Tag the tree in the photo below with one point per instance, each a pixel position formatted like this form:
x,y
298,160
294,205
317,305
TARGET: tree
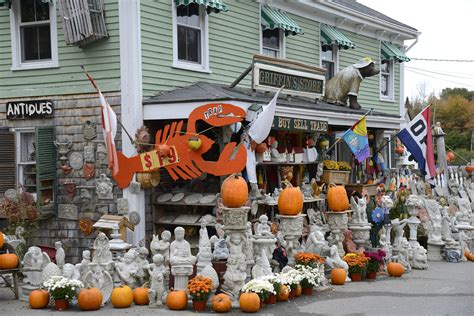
x,y
466,94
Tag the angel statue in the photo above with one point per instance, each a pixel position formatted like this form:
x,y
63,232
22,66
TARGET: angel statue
x,y
34,262
99,278
102,253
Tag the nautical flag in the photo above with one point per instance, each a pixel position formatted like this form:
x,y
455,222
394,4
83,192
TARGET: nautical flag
x,y
357,140
263,123
416,137
109,125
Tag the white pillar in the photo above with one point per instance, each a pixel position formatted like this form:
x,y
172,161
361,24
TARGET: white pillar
x,y
131,94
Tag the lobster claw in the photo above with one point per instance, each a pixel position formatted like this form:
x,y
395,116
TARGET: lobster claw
x,y
215,114
225,165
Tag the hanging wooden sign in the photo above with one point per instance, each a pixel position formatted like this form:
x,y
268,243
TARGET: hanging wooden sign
x,y
180,151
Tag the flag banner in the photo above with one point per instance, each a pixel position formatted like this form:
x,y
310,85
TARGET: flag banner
x,y
357,140
263,123
416,137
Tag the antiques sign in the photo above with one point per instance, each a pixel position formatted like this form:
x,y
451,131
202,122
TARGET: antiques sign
x,y
294,124
269,74
37,109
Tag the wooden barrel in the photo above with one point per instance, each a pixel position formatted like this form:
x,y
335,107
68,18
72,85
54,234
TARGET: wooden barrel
x,y
148,179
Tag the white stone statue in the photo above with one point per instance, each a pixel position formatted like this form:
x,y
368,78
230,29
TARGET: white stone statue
x,y
104,188
335,261
99,278
142,262
385,246
316,242
420,258
180,249
263,228
398,226
84,266
221,252
463,216
434,236
60,254
262,266
162,246
403,255
236,273
71,272
102,253
34,262
359,213
127,269
248,250
446,224
50,270
204,256
158,266
210,272
314,217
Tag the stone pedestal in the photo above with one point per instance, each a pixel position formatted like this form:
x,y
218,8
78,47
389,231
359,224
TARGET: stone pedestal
x,y
361,235
388,232
435,252
25,291
337,222
265,243
181,275
413,223
291,228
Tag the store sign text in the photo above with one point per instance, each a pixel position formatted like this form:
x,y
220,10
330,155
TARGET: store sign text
x,y
294,124
37,109
291,82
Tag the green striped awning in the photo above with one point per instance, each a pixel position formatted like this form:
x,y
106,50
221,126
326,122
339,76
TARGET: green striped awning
x,y
211,5
273,18
8,3
332,36
391,51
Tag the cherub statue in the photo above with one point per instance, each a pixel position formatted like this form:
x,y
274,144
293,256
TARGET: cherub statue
x,y
60,254
162,246
102,253
84,266
359,211
263,228
158,280
398,225
158,266
71,272
316,242
404,254
141,261
127,269
34,262
234,242
99,278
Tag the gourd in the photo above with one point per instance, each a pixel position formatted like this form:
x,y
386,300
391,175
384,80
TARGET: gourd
x,y
338,276
177,300
337,198
221,303
290,201
298,290
283,293
395,269
89,299
122,297
38,299
249,302
234,191
140,296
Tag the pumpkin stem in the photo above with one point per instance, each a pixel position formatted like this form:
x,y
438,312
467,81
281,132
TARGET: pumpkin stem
x,y
287,184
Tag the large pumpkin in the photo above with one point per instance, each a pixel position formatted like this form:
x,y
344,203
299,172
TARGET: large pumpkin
x,y
89,299
468,169
38,299
249,302
395,269
8,261
283,293
177,300
140,296
337,198
338,276
2,240
221,303
290,201
450,156
260,148
234,191
122,297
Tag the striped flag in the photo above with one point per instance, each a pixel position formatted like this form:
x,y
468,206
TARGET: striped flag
x,y
357,139
109,126
416,137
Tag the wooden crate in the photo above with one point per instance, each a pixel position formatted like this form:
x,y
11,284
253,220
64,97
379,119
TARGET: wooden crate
x,y
371,188
335,176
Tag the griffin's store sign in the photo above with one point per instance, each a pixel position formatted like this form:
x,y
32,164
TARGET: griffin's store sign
x,y
37,109
269,74
294,124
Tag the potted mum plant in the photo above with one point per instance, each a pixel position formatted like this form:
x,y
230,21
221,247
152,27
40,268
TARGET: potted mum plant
x,y
291,279
62,290
376,259
310,277
260,286
357,263
308,259
200,288
275,282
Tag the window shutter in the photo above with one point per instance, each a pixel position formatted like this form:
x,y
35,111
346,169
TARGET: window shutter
x,y
46,169
7,161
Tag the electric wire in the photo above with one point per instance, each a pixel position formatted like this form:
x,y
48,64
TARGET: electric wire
x,y
445,60
438,73
437,78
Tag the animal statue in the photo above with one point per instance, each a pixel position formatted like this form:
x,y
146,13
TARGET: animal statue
x,y
359,210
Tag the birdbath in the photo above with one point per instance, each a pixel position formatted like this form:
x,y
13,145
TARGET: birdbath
x,y
337,222
413,204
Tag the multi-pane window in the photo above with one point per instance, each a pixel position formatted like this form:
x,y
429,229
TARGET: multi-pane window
x,y
386,79
329,59
26,160
189,33
272,43
35,30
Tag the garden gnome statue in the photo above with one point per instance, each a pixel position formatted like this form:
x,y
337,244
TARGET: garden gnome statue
x,y
181,259
60,254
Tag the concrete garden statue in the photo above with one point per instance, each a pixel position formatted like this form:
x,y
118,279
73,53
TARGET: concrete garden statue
x,y
100,279
127,269
71,272
359,213
141,261
158,266
420,258
335,261
34,262
181,259
60,254
263,228
316,243
162,246
102,253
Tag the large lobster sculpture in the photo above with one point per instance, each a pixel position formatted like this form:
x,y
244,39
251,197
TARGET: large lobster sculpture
x,y
174,153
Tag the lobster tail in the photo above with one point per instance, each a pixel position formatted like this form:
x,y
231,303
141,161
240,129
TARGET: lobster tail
x,y
127,168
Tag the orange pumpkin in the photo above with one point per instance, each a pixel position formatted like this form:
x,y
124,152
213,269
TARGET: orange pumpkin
x,y
337,198
249,302
89,299
450,155
395,269
140,296
38,299
8,261
221,303
177,300
338,276
2,240
290,201
234,191
260,148
468,169
283,293
298,290
122,297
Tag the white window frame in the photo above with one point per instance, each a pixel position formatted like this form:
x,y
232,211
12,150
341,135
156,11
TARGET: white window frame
x,y
204,65
19,164
15,19
335,50
282,43
391,85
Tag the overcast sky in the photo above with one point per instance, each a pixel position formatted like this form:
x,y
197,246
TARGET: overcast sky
x,y
447,32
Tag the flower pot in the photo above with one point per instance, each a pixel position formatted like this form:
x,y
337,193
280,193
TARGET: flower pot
x,y
292,294
199,306
371,275
61,305
272,298
307,291
298,291
355,277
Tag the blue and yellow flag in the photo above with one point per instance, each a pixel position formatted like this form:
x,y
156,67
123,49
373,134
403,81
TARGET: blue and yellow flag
x,y
357,140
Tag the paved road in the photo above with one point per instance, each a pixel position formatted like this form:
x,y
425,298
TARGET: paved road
x,y
444,289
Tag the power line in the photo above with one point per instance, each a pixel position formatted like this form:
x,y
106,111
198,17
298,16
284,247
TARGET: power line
x,y
438,73
447,60
437,78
